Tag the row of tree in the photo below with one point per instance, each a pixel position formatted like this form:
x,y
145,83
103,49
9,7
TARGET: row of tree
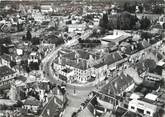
x,y
154,8
124,21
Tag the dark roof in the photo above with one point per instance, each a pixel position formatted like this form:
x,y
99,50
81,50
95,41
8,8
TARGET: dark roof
x,y
131,114
82,64
118,84
112,58
52,107
85,55
123,112
62,77
120,112
5,71
67,70
79,54
99,65
21,78
32,101
109,59
6,57
94,105
70,56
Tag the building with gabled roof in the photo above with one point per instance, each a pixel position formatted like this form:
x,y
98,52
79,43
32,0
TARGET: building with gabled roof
x,y
119,84
142,107
32,104
7,75
85,64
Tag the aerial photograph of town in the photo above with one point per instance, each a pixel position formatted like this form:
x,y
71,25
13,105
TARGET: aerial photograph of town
x,y
82,58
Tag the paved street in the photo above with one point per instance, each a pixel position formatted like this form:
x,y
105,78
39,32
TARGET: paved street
x,y
75,100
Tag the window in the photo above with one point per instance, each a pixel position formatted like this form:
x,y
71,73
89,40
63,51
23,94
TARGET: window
x,y
140,110
132,107
125,106
148,112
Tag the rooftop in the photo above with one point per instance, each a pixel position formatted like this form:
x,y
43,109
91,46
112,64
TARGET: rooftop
x,y
109,59
6,57
5,71
51,109
144,104
116,85
32,101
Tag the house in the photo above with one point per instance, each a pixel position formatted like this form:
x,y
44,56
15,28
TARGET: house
x,y
53,108
86,65
78,61
46,8
123,112
142,107
153,77
95,108
78,28
7,75
119,84
5,59
33,57
85,113
67,74
31,104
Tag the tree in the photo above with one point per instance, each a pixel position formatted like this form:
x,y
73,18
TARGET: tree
x,y
28,35
150,64
126,6
145,23
34,66
5,40
164,26
35,41
104,21
12,64
141,9
157,10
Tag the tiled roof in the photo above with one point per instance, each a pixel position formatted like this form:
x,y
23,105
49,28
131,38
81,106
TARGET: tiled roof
x,y
109,59
51,109
32,101
5,71
70,56
85,113
6,57
99,65
80,54
112,58
131,114
122,112
86,55
82,64
117,85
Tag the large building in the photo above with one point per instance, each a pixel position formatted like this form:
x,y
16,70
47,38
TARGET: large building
x,y
85,65
6,76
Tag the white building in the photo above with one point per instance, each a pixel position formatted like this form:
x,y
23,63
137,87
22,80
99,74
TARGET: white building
x,y
46,8
76,28
6,75
32,104
116,37
142,107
